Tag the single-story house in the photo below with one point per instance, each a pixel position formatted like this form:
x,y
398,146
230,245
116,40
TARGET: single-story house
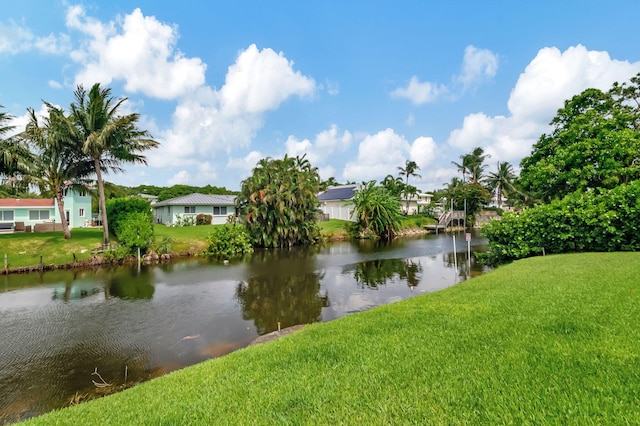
x,y
29,212
337,202
218,206
417,202
152,199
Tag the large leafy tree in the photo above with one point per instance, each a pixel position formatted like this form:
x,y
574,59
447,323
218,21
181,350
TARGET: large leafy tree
x,y
57,164
107,138
595,143
279,202
377,210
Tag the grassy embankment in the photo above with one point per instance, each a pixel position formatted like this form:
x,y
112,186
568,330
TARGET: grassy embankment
x,y
26,249
546,340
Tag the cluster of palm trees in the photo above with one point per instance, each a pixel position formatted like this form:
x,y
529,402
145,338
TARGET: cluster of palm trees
x,y
476,186
279,202
67,149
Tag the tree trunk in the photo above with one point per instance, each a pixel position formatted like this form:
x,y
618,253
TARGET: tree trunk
x,y
103,210
63,217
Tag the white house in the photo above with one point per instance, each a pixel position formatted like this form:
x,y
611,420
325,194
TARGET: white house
x,y
218,206
337,202
25,213
417,202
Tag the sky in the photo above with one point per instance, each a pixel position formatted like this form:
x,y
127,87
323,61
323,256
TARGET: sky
x,y
358,87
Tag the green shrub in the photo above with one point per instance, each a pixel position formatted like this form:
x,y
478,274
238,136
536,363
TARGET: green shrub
x,y
228,241
182,220
135,231
119,208
602,220
203,219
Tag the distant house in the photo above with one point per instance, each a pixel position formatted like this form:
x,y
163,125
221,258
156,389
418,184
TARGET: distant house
x,y
152,199
29,212
337,202
417,202
218,206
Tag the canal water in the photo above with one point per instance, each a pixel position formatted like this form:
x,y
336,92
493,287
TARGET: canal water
x,y
65,334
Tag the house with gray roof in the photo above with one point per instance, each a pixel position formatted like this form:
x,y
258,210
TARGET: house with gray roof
x,y
218,206
337,202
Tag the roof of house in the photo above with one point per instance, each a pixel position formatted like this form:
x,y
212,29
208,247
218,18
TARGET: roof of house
x,y
26,202
198,199
342,192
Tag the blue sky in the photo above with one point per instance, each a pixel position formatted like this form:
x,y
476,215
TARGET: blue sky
x,y
359,87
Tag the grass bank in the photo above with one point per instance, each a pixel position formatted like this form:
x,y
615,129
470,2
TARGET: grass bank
x,y
28,249
546,340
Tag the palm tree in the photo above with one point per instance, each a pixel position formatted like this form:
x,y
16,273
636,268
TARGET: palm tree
x,y
14,159
472,163
57,164
279,201
501,180
377,210
395,185
409,169
107,138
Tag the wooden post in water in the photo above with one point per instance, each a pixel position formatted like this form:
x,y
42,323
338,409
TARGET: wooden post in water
x,y
6,264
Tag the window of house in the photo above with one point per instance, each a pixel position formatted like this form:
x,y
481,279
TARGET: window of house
x,y
189,209
220,210
81,212
38,214
6,215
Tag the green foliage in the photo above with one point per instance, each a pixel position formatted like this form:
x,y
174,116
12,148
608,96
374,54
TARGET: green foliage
x,y
594,221
474,195
377,212
203,219
279,202
228,241
162,245
595,143
119,208
135,230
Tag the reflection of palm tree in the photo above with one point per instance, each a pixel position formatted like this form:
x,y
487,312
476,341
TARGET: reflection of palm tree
x,y
374,273
287,300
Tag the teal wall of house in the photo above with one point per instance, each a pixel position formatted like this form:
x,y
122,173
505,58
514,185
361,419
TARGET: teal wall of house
x,y
77,207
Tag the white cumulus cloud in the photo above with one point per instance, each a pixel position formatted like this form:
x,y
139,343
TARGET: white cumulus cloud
x,y
138,49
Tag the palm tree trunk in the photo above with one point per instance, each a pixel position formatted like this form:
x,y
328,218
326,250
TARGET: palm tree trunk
x,y
63,217
103,210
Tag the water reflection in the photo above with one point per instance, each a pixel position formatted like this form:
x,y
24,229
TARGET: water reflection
x,y
374,273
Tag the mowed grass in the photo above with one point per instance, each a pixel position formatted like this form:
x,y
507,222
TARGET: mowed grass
x,y
26,249
546,340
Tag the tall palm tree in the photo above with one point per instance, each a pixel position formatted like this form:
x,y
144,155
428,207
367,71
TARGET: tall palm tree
x,y
57,164
501,180
409,169
14,159
472,163
108,138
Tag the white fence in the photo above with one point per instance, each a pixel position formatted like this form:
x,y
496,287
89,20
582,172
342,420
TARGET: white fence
x,y
342,213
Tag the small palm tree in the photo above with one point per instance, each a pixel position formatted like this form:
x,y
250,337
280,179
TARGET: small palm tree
x,y
107,138
409,169
501,181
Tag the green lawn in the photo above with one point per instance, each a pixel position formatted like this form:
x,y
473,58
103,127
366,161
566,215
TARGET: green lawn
x,y
546,340
25,249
